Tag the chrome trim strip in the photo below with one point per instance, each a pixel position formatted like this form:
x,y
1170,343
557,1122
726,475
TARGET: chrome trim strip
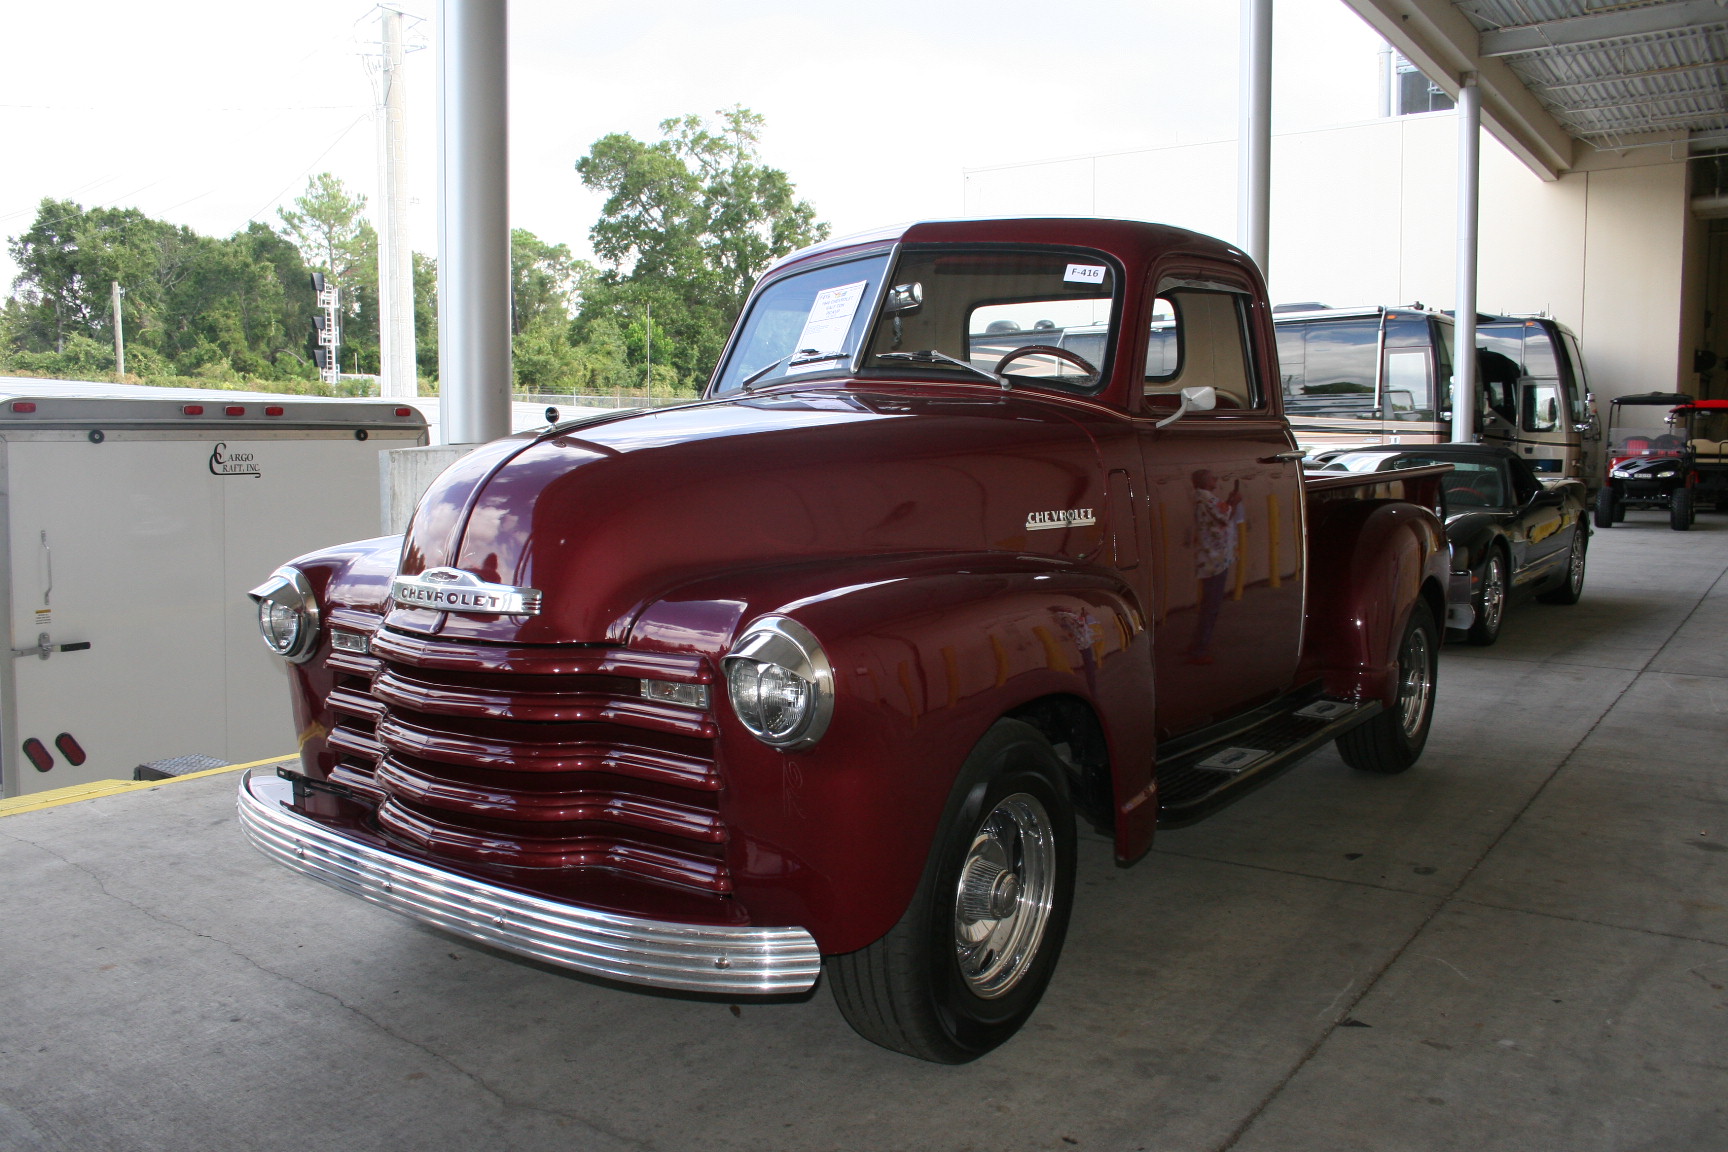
x,y
688,957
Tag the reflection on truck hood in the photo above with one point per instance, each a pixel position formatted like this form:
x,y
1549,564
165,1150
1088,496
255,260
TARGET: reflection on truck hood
x,y
607,516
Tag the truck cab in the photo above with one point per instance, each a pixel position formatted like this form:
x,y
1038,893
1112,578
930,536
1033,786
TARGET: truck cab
x,y
982,529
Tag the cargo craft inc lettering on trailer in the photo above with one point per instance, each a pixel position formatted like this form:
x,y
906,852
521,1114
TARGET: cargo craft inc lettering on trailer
x,y
225,463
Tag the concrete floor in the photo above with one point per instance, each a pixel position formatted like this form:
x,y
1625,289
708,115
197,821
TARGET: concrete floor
x,y
1522,943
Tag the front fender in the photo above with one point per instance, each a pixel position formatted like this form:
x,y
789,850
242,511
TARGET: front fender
x,y
927,654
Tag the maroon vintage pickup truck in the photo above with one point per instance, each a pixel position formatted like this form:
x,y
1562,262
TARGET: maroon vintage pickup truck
x,y
982,528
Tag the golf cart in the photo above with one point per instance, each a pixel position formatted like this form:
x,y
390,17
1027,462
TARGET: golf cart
x,y
1649,458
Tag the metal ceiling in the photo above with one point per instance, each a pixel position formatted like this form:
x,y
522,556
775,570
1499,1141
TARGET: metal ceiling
x,y
1615,75
1564,80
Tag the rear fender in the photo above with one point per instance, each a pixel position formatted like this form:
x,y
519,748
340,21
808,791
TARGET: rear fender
x,y
1368,563
927,654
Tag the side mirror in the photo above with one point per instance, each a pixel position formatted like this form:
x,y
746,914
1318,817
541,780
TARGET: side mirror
x,y
904,298
1200,399
1546,499
1203,398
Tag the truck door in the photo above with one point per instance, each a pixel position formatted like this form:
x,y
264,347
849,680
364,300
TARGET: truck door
x,y
1224,513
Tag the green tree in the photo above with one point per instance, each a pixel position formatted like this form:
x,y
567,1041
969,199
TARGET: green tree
x,y
329,227
219,308
426,315
689,222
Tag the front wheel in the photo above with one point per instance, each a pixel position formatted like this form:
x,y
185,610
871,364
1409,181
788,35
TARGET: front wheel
x,y
1606,507
1490,601
1393,740
1680,511
968,962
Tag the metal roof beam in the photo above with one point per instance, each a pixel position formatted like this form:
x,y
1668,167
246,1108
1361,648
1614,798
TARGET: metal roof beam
x,y
1438,39
1618,77
1578,31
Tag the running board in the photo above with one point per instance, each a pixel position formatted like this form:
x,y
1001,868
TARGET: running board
x,y
1196,780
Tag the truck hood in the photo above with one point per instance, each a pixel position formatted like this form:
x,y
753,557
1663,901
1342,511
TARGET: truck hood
x,y
604,517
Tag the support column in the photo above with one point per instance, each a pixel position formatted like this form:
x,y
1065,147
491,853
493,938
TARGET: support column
x,y
397,373
1469,192
1254,137
473,222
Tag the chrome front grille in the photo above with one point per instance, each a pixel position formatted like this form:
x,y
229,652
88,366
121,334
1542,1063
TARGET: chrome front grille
x,y
532,757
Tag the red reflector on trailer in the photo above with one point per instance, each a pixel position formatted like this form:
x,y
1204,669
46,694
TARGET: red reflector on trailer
x,y
274,410
70,748
39,756
234,410
404,411
23,405
193,409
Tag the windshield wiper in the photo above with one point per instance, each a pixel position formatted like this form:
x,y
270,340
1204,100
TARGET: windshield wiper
x,y
792,360
932,356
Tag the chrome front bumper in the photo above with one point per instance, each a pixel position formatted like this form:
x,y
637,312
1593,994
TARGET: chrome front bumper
x,y
690,957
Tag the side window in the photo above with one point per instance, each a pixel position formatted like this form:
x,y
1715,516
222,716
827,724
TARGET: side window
x,y
1292,360
1339,374
1579,399
1540,407
1198,338
1407,392
1524,482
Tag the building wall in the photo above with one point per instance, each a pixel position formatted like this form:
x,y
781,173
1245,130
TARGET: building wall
x,y
1367,214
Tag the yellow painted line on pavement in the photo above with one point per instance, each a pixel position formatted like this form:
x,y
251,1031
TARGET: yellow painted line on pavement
x,y
36,801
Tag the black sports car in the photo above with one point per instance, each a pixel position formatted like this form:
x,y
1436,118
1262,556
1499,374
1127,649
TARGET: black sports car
x,y
1508,529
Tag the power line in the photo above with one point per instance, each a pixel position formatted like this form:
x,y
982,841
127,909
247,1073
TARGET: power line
x,y
277,198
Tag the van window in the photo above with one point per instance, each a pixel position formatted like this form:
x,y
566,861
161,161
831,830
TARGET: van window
x,y
1580,384
1292,358
1337,376
1540,406
1407,391
1198,338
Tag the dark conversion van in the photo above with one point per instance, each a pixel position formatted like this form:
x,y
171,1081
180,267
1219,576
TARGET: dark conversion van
x,y
1364,376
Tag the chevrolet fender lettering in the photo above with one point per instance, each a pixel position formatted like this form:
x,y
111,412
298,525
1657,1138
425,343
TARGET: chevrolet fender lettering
x,y
1060,518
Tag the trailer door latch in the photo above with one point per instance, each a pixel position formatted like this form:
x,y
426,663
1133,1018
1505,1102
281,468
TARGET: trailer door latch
x,y
44,647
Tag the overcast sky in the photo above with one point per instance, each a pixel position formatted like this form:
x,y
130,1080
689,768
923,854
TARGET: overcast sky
x,y
211,114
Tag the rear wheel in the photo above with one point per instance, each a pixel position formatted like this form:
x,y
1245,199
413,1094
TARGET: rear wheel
x,y
1680,510
1607,508
1490,601
1393,740
968,962
1570,589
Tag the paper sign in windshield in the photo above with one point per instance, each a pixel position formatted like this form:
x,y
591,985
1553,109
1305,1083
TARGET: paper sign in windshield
x,y
829,320
1084,274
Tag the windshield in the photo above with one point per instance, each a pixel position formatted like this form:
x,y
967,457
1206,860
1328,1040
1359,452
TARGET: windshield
x,y
1709,425
1646,430
804,324
1037,316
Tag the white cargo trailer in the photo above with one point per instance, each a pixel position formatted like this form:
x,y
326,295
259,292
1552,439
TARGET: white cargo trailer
x,y
132,525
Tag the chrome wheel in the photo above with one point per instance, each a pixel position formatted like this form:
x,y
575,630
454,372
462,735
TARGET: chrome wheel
x,y
1493,595
1416,683
1002,901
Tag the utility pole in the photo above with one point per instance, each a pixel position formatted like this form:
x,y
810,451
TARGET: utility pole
x,y
396,368
119,336
649,391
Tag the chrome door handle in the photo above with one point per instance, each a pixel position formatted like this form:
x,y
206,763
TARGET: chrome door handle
x,y
1283,458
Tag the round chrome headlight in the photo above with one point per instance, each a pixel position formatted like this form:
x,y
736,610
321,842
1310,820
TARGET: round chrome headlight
x,y
287,614
780,683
